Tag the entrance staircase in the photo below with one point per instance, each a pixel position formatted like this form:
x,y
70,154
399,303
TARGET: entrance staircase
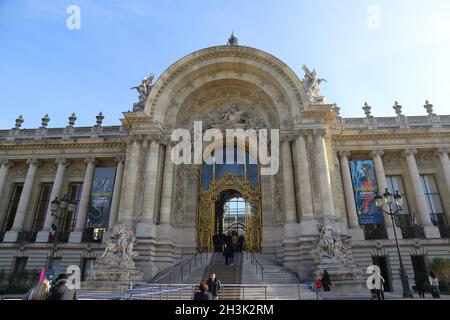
x,y
251,277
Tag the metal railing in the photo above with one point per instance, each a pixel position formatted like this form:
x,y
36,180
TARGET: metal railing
x,y
255,263
412,232
187,291
444,231
375,234
26,236
179,272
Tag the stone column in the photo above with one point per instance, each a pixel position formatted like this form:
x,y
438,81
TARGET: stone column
x,y
445,164
4,170
42,235
166,198
19,220
126,206
77,234
382,184
113,213
146,226
288,176
304,192
352,215
323,171
423,215
116,193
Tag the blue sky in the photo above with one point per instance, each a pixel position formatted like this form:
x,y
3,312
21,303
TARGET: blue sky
x,y
47,68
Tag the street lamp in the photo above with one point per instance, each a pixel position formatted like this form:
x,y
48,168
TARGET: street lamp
x,y
388,198
65,206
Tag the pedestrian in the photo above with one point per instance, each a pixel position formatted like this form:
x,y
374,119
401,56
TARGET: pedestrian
x,y
214,285
228,253
241,241
420,285
326,281
203,294
434,284
380,292
61,291
235,241
40,291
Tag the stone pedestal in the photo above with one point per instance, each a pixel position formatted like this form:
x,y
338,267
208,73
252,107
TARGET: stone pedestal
x,y
113,278
11,236
344,277
431,232
356,233
391,235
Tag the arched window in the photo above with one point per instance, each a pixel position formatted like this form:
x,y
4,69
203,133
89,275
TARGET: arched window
x,y
230,161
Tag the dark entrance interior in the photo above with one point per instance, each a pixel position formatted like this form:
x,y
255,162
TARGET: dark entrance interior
x,y
419,266
382,262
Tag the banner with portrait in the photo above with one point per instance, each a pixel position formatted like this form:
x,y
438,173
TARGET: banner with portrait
x,y
101,197
365,188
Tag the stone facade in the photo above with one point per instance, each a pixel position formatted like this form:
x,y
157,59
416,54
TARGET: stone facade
x,y
160,200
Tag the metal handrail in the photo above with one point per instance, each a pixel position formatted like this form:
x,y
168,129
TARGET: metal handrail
x,y
187,265
256,263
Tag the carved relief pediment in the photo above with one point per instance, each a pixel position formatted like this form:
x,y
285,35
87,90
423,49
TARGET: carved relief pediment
x,y
425,159
392,161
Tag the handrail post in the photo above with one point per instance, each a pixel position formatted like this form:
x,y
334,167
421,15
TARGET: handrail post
x,y
262,273
243,292
265,292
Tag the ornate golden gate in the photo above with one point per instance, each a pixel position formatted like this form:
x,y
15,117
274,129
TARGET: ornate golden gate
x,y
207,215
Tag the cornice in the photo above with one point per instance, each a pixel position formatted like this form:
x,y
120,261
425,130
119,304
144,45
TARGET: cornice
x,y
77,145
387,135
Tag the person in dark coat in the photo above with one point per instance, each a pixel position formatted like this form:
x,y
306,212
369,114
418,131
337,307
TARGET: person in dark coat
x,y
203,294
241,241
420,285
61,291
229,254
326,281
214,285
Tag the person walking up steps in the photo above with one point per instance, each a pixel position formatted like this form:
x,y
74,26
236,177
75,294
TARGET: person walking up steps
x,y
214,285
326,281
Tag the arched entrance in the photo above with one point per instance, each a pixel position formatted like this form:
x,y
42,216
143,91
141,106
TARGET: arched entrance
x,y
227,189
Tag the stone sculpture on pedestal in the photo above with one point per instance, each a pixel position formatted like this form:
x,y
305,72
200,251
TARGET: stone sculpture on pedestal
x,y
332,253
117,261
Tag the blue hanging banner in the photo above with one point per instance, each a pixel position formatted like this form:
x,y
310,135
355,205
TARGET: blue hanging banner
x,y
365,188
101,197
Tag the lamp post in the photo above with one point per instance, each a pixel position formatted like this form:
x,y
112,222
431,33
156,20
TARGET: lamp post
x,y
388,198
64,205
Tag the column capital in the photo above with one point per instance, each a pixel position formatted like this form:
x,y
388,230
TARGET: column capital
x,y
34,161
62,161
137,138
376,153
6,163
302,132
441,151
119,159
345,154
319,132
90,160
287,138
409,152
154,137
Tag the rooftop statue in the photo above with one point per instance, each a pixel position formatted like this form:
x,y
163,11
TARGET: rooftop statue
x,y
312,85
144,90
